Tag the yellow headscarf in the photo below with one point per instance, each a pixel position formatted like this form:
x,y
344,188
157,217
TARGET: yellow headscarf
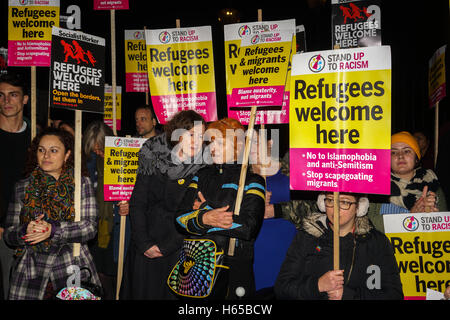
x,y
407,138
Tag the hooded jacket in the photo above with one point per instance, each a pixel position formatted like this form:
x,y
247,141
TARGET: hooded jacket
x,y
366,256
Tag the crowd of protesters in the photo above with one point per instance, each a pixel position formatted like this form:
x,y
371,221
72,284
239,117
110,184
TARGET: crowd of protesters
x,y
181,196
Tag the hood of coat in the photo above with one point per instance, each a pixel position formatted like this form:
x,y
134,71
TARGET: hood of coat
x,y
316,225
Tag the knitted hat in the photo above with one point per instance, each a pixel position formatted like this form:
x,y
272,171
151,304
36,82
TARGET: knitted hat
x,y
407,138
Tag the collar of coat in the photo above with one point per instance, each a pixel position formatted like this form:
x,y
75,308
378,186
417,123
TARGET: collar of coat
x,y
316,225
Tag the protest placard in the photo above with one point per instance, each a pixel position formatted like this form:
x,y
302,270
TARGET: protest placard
x,y
77,71
136,77
300,35
340,119
421,244
111,4
181,71
436,77
356,23
262,69
121,163
30,31
3,60
108,113
233,34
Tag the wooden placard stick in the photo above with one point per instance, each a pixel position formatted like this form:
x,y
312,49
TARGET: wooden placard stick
x,y
243,175
33,102
77,174
123,224
113,69
336,231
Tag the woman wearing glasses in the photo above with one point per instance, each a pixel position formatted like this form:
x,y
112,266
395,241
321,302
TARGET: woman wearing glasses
x,y
413,188
368,269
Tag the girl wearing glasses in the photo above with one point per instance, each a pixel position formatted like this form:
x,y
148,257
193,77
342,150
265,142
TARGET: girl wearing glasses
x,y
368,269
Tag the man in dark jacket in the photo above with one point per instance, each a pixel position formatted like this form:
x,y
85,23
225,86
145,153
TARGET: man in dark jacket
x,y
15,137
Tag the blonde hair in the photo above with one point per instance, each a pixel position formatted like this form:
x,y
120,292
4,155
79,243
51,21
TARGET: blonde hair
x,y
95,134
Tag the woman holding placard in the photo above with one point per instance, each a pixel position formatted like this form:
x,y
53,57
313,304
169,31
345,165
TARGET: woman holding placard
x,y
40,221
368,266
216,186
413,189
167,162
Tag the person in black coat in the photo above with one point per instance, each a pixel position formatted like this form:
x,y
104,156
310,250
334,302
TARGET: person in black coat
x,y
167,163
368,268
216,185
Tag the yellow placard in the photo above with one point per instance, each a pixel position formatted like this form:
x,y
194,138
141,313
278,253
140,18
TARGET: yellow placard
x,y
191,72
32,22
421,245
122,165
108,115
423,260
135,56
334,112
264,64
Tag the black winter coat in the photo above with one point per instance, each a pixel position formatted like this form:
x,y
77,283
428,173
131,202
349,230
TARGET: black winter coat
x,y
219,184
153,207
364,255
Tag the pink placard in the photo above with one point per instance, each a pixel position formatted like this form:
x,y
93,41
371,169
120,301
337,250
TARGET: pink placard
x,y
29,53
117,192
136,82
341,170
272,116
166,106
111,5
109,123
438,95
256,96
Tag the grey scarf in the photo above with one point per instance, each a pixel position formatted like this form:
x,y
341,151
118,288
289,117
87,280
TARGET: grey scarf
x,y
155,157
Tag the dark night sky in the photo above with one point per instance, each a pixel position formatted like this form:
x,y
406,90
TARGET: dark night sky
x,y
413,31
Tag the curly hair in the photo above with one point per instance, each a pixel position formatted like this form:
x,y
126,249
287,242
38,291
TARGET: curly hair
x,y
185,119
66,139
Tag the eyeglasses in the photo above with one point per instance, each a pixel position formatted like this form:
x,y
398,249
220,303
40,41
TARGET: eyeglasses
x,y
404,152
343,204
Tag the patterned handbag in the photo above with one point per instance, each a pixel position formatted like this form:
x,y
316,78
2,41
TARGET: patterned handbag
x,y
196,273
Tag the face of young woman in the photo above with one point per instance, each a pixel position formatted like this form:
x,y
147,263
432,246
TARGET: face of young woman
x,y
191,141
346,216
51,155
403,159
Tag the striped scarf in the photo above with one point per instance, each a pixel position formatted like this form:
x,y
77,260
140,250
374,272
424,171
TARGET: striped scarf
x,y
406,193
